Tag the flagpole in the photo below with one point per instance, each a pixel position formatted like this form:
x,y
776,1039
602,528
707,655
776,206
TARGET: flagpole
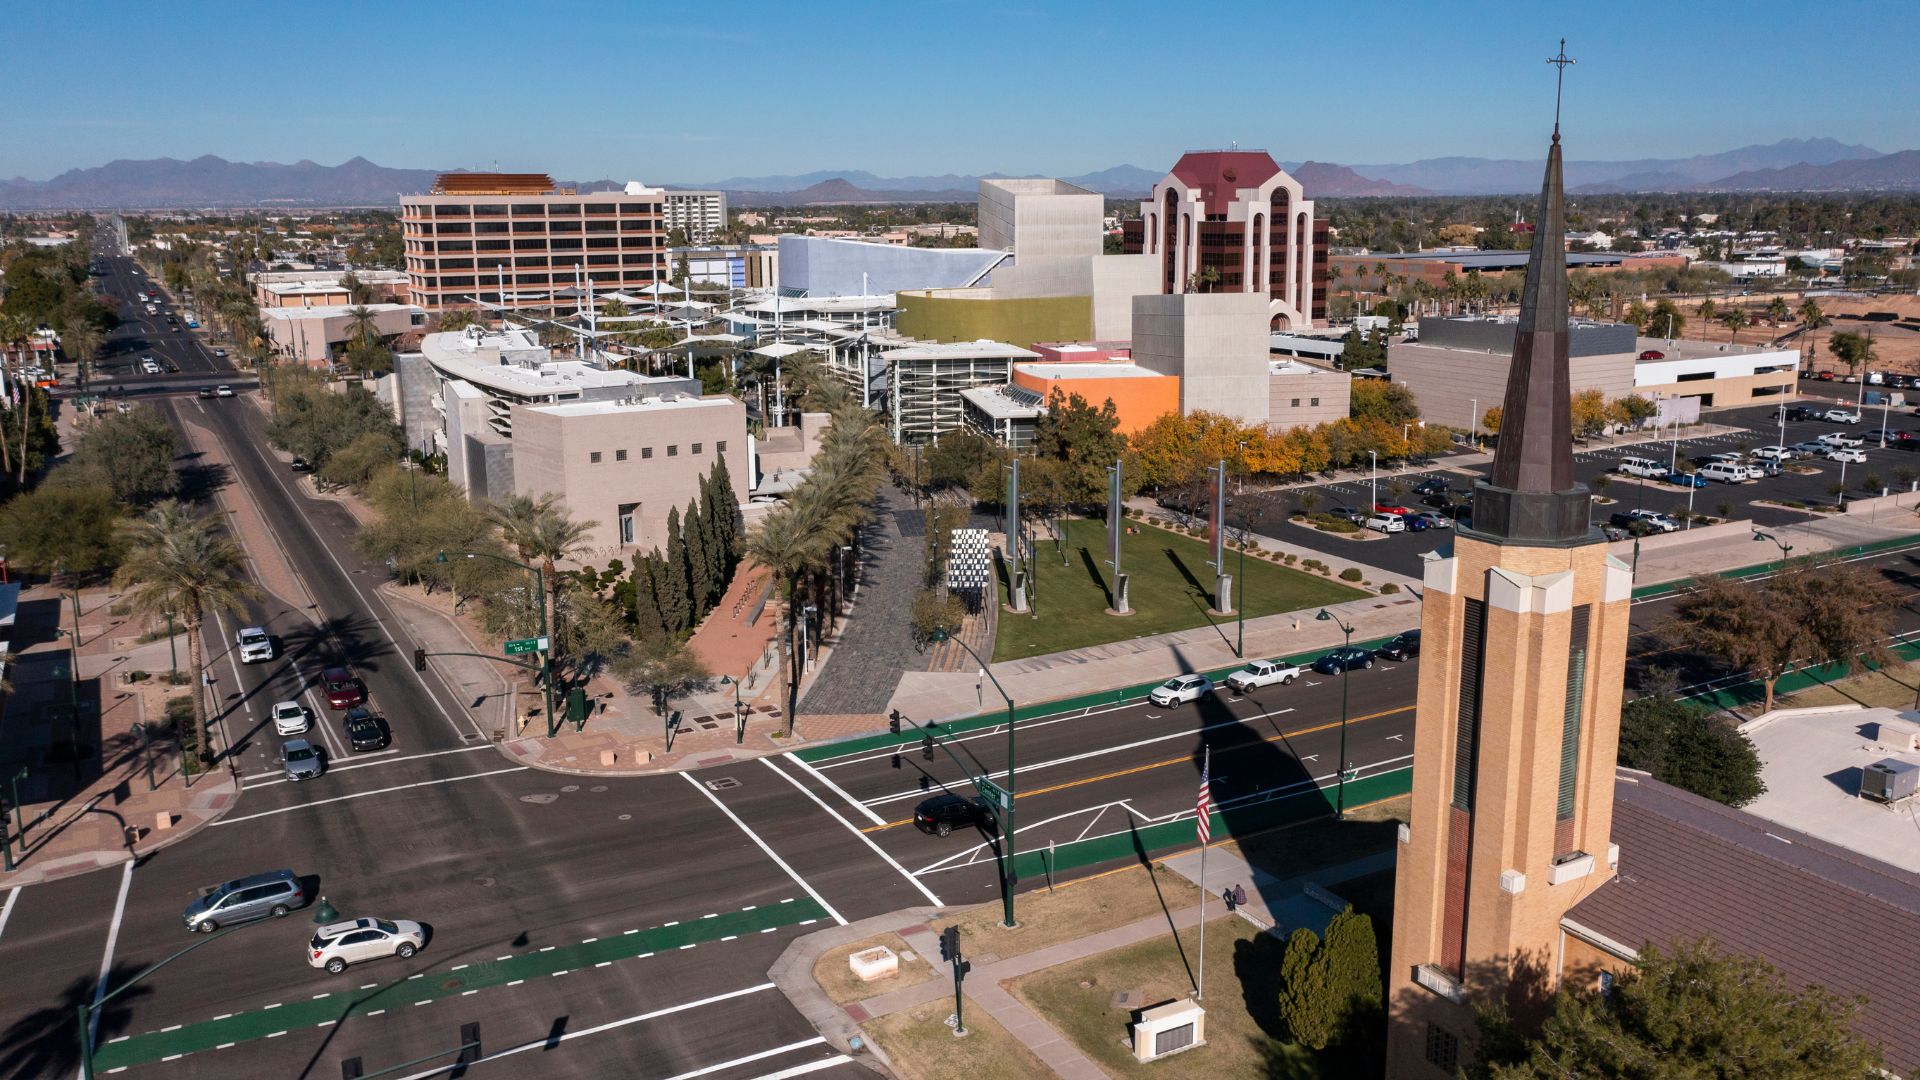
x,y
1206,832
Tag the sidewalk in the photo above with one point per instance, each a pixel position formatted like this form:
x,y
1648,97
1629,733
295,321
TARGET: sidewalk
x,y
70,750
1304,901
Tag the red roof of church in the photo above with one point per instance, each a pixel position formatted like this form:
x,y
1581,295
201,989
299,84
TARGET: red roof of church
x,y
1219,173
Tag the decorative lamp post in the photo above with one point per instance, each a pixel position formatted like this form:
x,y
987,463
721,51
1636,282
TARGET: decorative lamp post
x,y
1340,783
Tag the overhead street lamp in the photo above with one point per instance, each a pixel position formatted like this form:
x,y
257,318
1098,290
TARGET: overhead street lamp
x,y
1007,878
739,717
1240,627
1340,783
540,602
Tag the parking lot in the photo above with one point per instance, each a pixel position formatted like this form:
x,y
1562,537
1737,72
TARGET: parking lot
x,y
1399,553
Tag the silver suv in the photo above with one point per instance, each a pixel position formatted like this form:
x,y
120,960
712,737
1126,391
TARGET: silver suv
x,y
243,899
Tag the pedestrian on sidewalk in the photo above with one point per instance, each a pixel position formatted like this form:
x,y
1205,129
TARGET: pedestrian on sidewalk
x,y
1226,896
1239,897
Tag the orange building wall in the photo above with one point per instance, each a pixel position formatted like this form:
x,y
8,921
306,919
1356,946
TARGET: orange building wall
x,y
1138,401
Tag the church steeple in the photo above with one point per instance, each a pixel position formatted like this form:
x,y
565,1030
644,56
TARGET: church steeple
x,y
1532,497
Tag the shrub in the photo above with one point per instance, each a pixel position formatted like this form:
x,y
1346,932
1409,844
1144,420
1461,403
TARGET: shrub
x,y
1351,573
1389,589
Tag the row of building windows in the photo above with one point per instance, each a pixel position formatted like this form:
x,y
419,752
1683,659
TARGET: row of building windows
x,y
646,452
557,209
1315,401
428,248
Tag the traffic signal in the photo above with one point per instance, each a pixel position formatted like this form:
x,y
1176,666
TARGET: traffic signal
x,y
896,761
419,659
926,748
893,721
950,944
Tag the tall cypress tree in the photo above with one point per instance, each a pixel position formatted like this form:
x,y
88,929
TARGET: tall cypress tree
x,y
699,568
647,619
711,541
676,605
725,513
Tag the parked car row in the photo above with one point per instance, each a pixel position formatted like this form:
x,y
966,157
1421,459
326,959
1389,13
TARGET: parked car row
x,y
1184,688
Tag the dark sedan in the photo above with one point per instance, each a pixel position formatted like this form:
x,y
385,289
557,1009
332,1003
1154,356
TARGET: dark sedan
x,y
1343,659
365,731
1403,647
942,814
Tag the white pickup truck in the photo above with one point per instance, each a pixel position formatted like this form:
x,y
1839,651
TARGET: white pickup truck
x,y
254,644
1263,673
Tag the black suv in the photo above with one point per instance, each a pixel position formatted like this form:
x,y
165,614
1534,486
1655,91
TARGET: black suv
x,y
1802,412
1404,647
1433,485
944,813
365,731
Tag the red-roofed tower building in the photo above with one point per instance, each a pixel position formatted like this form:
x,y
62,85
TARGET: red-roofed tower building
x,y
1234,221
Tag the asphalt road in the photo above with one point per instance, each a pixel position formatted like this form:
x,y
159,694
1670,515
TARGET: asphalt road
x,y
608,926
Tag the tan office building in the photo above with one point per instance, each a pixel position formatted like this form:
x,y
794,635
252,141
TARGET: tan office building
x,y
519,241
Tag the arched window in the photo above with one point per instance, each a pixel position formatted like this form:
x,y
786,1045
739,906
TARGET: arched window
x,y
1281,251
1256,273
1170,244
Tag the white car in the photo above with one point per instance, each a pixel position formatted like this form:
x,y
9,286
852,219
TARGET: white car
x,y
1841,453
336,945
1840,416
223,391
291,718
1834,439
1656,519
1387,523
1774,453
1180,689
254,644
1263,673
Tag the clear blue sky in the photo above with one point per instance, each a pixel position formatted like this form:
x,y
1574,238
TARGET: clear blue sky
x,y
703,91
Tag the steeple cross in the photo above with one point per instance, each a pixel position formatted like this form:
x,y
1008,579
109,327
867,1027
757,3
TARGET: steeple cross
x,y
1562,61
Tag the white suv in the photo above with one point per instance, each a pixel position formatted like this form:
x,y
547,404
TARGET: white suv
x,y
336,945
1774,453
1180,689
290,718
1840,416
1263,673
254,644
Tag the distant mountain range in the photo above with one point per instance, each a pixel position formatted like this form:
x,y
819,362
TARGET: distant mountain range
x,y
212,182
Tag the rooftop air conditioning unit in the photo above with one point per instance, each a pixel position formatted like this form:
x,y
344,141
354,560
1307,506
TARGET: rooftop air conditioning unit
x,y
1889,780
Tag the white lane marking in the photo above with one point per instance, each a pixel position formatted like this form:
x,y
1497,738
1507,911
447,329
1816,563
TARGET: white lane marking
x,y
835,788
868,840
364,794
106,957
369,609
797,1070
1103,751
762,844
641,1018
7,911
359,761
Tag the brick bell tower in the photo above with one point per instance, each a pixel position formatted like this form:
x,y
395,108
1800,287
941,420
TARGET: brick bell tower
x,y
1517,723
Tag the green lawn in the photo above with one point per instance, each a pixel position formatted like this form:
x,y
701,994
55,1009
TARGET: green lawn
x,y
1170,587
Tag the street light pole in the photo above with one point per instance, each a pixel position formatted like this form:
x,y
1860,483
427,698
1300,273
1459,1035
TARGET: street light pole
x,y
1340,783
1007,878
540,602
1240,627
86,1009
739,718
1786,549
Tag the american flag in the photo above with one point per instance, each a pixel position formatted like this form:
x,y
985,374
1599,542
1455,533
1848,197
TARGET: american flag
x,y
1203,810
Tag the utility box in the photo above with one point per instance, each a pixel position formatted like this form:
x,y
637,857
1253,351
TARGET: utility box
x,y
872,964
1889,780
1169,1029
1900,736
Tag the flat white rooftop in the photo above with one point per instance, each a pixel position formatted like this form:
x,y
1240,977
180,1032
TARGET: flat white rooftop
x,y
1086,370
824,304
993,401
1295,367
962,350
514,362
1811,762
635,405
329,311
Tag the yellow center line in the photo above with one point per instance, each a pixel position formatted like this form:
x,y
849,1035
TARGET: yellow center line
x,y
1330,725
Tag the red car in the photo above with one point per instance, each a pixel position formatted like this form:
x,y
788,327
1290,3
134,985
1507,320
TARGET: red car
x,y
1392,508
343,690
1653,354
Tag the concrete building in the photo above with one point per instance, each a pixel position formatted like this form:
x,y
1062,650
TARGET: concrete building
x,y
1458,368
1215,342
1039,218
1139,395
829,266
1006,414
734,266
322,288
626,463
1233,221
1524,635
925,383
318,335
1306,395
520,242
700,214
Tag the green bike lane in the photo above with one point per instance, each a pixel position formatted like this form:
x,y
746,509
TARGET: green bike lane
x,y
423,988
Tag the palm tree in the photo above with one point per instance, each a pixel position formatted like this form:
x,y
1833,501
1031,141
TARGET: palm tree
x,y
82,344
362,325
182,560
1708,310
1735,319
1777,309
542,529
458,319
1812,319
